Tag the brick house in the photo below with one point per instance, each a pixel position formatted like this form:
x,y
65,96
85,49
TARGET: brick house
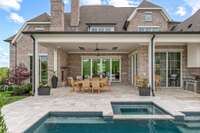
x,y
120,43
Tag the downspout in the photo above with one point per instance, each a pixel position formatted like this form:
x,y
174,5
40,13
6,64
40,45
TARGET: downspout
x,y
33,65
152,64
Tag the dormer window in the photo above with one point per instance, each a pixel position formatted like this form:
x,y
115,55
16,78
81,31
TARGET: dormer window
x,y
148,16
101,28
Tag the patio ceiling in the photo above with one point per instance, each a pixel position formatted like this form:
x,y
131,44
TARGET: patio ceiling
x,y
91,47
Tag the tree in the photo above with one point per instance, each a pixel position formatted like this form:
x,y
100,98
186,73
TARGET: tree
x,y
4,72
19,74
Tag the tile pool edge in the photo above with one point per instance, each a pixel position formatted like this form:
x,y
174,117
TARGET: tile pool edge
x,y
143,117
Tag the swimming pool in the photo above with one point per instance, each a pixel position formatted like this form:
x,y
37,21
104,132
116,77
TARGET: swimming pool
x,y
137,108
95,123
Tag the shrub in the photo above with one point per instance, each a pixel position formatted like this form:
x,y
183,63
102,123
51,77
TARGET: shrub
x,y
3,128
20,90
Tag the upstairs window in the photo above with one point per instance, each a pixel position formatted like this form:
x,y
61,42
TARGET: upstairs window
x,y
148,28
101,28
148,16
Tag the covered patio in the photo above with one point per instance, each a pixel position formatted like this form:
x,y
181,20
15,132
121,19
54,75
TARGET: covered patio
x,y
138,54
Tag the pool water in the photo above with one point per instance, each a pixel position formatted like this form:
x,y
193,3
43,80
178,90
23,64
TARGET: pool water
x,y
55,124
137,108
98,125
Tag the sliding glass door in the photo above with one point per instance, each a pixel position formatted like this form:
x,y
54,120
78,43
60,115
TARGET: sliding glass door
x,y
96,68
115,70
106,68
102,67
168,68
174,69
86,68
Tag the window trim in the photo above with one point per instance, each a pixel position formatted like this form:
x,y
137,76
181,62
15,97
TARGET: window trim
x,y
148,27
149,13
112,28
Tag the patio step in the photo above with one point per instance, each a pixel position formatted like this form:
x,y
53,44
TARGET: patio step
x,y
75,120
192,119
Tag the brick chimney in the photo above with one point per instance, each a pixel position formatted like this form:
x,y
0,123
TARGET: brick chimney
x,y
57,15
75,13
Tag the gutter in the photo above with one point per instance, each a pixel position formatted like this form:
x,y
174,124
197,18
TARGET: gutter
x,y
33,65
152,64
139,33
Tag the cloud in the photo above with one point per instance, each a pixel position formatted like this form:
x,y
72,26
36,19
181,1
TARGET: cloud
x,y
181,11
91,2
194,4
16,18
123,3
10,4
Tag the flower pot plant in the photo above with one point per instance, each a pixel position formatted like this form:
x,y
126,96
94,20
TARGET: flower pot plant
x,y
144,90
44,89
54,81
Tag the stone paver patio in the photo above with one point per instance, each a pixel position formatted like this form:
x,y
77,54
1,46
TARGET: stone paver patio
x,y
22,114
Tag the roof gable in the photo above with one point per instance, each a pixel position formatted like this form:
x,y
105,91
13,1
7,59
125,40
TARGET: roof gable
x,y
150,6
147,4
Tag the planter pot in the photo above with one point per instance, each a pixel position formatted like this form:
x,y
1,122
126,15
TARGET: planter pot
x,y
144,92
54,81
44,91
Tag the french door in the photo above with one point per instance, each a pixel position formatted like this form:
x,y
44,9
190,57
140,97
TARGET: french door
x,y
102,67
168,68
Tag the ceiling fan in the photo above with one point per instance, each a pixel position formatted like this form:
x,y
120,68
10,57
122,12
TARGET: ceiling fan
x,y
97,49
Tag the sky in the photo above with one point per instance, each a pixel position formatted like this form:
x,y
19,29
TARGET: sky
x,y
13,13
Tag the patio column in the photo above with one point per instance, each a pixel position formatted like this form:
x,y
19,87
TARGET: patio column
x,y
151,56
35,62
55,61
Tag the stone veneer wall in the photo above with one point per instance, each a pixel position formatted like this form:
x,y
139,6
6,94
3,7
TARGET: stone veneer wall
x,y
74,65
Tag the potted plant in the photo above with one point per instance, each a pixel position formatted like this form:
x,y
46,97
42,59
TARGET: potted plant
x,y
54,81
144,90
44,89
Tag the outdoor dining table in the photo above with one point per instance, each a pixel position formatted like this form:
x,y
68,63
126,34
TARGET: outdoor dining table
x,y
80,83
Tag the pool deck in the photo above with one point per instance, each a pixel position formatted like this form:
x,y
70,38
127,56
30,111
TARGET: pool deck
x,y
21,115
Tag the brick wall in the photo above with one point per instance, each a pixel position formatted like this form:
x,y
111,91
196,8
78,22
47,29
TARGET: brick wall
x,y
138,20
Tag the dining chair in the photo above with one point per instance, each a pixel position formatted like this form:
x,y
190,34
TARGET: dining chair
x,y
74,86
86,85
95,86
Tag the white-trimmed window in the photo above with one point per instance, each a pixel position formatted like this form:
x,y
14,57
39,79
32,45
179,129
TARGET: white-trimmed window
x,y
101,29
148,17
148,28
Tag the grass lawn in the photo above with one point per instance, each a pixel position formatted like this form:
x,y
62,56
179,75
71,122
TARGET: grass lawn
x,y
6,98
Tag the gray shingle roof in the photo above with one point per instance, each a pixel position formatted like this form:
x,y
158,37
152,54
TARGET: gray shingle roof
x,y
10,38
190,24
101,15
41,18
147,4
